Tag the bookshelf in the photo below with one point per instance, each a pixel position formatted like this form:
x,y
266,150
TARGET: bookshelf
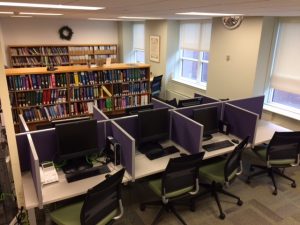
x,y
42,96
61,55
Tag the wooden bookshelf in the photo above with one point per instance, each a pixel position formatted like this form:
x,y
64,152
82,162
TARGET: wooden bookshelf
x,y
71,91
61,55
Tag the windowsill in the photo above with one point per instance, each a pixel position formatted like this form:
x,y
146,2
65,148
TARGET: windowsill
x,y
282,112
190,84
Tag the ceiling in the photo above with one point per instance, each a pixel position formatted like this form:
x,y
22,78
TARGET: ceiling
x,y
166,9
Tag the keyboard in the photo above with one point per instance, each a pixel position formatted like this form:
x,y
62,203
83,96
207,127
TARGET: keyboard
x,y
161,152
90,172
217,145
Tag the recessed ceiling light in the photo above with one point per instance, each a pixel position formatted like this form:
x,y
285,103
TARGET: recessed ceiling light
x,y
207,14
103,19
140,18
49,6
7,13
40,14
21,16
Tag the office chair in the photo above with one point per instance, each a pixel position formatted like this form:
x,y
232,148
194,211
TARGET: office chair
x,y
179,181
282,152
102,205
223,171
156,86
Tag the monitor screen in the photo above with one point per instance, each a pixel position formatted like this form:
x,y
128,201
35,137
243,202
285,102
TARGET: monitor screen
x,y
153,126
208,117
136,109
190,102
76,139
75,119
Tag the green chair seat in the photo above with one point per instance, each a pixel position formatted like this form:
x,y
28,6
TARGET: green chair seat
x,y
262,153
155,186
70,215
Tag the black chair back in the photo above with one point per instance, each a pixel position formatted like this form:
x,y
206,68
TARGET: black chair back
x,y
284,145
181,172
156,86
102,199
233,163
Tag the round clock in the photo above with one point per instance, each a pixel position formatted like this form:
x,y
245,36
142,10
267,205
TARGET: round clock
x,y
232,22
65,33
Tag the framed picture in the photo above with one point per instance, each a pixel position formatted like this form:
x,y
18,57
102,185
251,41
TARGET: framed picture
x,y
154,48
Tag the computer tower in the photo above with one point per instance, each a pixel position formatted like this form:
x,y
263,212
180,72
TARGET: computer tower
x,y
113,151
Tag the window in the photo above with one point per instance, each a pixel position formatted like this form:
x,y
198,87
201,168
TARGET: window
x,y
284,90
194,52
139,42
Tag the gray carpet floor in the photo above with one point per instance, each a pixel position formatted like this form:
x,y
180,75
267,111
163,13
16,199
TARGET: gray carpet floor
x,y
260,206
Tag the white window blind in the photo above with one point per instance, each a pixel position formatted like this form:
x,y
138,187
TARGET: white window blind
x,y
138,36
286,70
195,35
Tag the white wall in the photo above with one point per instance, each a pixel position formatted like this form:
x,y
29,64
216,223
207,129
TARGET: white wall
x,y
32,31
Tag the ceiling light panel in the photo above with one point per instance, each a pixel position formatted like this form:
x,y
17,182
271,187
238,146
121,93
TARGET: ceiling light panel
x,y
207,14
40,14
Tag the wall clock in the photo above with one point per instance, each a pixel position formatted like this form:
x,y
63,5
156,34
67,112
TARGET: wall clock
x,y
65,33
232,22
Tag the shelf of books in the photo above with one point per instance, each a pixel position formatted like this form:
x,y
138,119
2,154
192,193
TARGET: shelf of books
x,y
59,55
42,96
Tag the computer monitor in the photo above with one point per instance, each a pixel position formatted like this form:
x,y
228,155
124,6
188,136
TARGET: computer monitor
x,y
75,119
190,102
134,110
208,117
76,140
153,126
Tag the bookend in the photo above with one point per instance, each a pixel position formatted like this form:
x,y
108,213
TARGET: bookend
x,y
113,151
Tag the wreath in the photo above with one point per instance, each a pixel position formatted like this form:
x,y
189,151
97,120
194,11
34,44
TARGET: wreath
x,y
65,33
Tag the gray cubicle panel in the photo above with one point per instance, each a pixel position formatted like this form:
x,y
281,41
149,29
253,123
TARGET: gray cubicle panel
x,y
253,104
127,145
242,122
157,104
186,132
188,111
206,99
98,114
23,151
129,124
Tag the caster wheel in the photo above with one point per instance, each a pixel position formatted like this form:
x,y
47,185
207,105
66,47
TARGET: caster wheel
x,y
248,181
240,202
222,216
192,207
293,185
274,192
142,207
252,168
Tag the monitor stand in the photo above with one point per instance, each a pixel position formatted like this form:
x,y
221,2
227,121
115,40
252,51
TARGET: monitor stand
x,y
76,164
207,137
150,147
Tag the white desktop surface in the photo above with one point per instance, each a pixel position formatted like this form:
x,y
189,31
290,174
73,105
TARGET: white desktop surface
x,y
265,131
145,167
30,196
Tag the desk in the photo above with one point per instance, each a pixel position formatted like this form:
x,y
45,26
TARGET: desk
x,y
265,131
60,190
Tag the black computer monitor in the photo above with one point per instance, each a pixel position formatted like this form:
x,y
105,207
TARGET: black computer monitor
x,y
208,117
76,140
74,119
134,110
153,126
190,102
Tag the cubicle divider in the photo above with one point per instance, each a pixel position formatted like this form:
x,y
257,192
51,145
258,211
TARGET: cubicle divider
x,y
242,122
188,111
253,104
129,124
22,125
98,114
127,145
206,99
157,104
23,151
186,132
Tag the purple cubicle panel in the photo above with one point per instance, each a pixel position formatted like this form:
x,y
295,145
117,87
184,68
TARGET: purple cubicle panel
x,y
188,111
242,122
129,124
206,99
157,104
186,132
127,144
23,151
253,104
98,114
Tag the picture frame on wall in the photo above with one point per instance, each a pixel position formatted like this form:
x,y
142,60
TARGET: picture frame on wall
x,y
154,48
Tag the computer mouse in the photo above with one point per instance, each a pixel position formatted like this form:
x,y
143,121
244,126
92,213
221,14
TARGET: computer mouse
x,y
183,154
235,141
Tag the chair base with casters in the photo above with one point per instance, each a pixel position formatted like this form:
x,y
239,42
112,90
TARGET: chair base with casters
x,y
271,171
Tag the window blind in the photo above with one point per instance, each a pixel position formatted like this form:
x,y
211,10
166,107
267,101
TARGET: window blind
x,y
286,69
139,36
195,35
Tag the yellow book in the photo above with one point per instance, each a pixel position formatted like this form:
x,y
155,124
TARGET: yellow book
x,y
106,91
76,80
